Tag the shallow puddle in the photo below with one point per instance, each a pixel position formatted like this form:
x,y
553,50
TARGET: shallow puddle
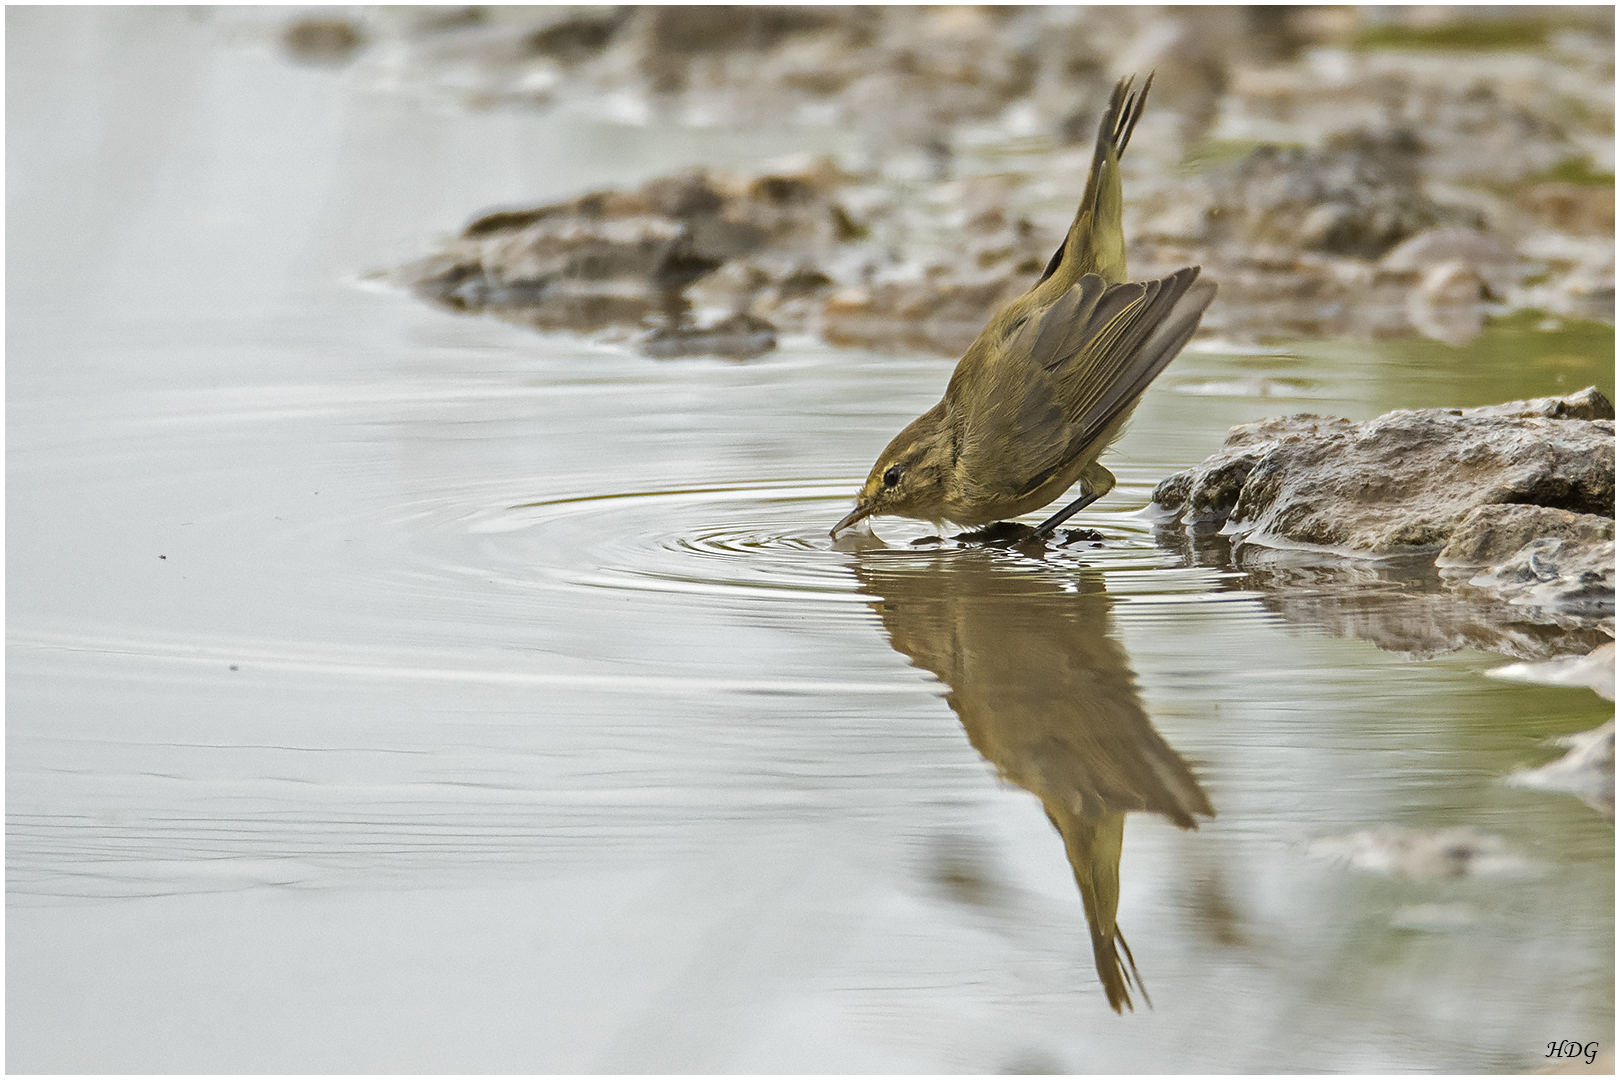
x,y
390,690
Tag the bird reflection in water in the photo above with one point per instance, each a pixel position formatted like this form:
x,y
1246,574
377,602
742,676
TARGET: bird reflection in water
x,y
1049,698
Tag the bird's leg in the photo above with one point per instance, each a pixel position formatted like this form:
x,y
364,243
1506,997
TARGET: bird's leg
x,y
1095,482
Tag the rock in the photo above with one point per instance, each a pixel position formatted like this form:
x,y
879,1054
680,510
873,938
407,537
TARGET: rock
x,y
1191,58
1490,535
1435,246
1588,404
1422,853
994,257
1397,485
939,315
1359,195
1580,209
1594,670
1586,770
1205,494
1589,289
1482,254
321,40
739,337
1342,192
623,258
1290,233
1448,303
1558,575
1482,116
1490,528
1536,556
576,35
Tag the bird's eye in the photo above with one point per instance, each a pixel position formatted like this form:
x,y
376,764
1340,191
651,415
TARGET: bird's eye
x,y
892,476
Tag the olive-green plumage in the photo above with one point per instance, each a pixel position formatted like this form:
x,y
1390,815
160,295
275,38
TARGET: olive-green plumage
x,y
1052,379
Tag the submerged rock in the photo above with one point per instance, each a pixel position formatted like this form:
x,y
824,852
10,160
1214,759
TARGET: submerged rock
x,y
738,337
1490,535
1594,670
1585,770
1557,575
1587,767
314,40
1423,853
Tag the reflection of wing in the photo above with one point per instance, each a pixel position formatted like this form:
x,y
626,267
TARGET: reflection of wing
x,y
1048,697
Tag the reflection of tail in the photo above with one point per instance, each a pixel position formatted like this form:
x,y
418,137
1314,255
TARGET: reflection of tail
x,y
1094,845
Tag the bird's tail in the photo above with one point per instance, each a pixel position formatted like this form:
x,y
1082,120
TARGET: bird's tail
x,y
1113,136
1096,240
1094,846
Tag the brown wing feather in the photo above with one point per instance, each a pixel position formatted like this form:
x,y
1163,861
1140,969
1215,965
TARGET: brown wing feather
x,y
1146,349
1078,364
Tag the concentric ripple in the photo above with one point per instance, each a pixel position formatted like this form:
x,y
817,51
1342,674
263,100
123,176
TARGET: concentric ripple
x,y
471,514
757,541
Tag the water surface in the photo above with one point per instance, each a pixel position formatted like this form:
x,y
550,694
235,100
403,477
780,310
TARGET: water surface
x,y
390,690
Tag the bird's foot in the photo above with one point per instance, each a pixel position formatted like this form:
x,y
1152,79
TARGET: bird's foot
x,y
998,534
1013,534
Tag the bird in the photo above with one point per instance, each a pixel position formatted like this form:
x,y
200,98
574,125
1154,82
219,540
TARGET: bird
x,y
1052,379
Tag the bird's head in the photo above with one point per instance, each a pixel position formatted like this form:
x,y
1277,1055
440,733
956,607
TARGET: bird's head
x,y
909,477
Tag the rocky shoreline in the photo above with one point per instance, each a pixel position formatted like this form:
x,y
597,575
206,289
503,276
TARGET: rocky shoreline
x,y
1428,531
1340,173
1505,511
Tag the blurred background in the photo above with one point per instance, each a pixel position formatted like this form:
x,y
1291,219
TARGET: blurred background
x,y
424,648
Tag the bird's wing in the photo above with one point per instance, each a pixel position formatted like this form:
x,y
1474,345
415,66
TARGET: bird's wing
x,y
1074,367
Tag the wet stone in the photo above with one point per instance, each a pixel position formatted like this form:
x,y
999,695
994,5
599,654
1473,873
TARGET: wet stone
x,y
1514,500
1490,535
1395,485
1559,575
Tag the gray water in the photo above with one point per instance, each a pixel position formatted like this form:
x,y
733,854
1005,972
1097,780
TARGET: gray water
x,y
390,690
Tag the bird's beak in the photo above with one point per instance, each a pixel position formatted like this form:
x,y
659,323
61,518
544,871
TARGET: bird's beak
x,y
854,515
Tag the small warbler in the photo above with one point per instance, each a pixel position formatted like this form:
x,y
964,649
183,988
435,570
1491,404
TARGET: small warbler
x,y
1052,380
